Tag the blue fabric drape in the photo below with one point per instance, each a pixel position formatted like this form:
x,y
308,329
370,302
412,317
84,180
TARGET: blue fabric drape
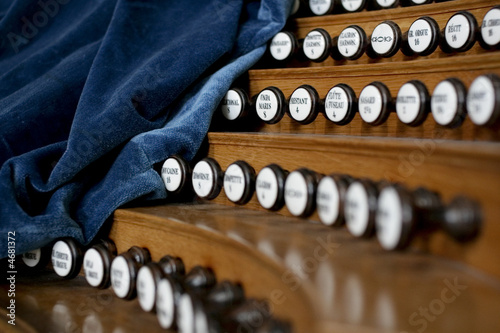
x,y
94,93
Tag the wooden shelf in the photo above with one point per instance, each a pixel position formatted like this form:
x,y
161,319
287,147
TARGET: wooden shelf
x,y
393,75
320,279
447,167
46,302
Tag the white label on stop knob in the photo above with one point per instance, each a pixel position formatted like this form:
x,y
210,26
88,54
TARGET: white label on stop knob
x,y
120,277
356,209
336,104
444,103
300,104
352,5
320,7
383,38
389,219
234,182
349,42
32,258
146,288
267,105
232,105
203,179
281,46
62,259
171,173
457,31
165,304
490,28
93,266
296,193
370,103
420,36
185,315
481,100
267,188
386,3
314,45
328,201
408,103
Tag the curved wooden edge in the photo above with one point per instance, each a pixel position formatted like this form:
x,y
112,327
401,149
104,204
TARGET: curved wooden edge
x,y
320,279
231,258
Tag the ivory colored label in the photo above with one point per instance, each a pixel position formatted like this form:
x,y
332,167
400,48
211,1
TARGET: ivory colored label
x,y
171,173
389,219
481,100
457,31
296,193
328,201
93,266
408,103
444,103
32,258
165,304
420,36
300,104
370,103
234,182
356,209
203,179
349,42
490,28
232,105
120,277
146,289
383,38
62,258
336,104
314,45
266,188
281,46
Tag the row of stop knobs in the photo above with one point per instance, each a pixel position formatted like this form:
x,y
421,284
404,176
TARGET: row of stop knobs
x,y
191,302
391,211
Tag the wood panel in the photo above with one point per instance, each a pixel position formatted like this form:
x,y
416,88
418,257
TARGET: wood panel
x,y
448,167
318,278
430,72
194,234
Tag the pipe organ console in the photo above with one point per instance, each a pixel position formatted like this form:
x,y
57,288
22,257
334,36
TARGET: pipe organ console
x,y
349,183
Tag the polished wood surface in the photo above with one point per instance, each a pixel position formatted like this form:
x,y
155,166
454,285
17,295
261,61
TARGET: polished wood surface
x,y
46,303
319,278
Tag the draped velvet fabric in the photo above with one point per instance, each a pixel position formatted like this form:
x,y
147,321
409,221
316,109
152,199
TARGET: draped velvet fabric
x,y
95,93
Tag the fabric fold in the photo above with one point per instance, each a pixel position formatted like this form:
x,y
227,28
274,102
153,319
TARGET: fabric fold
x,y
143,86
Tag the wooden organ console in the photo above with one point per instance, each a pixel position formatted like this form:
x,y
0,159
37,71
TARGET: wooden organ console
x,y
440,274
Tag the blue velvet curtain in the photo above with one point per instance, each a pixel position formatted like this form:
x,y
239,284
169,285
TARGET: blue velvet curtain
x,y
95,93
